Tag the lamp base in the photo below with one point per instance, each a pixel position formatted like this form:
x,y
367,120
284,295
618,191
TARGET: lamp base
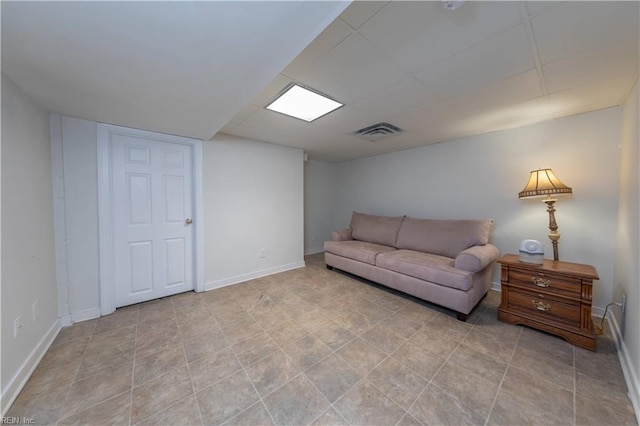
x,y
554,235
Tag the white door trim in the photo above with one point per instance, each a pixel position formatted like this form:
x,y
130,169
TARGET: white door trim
x,y
105,211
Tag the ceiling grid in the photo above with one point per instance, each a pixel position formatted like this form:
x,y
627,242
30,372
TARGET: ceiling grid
x,y
526,20
437,74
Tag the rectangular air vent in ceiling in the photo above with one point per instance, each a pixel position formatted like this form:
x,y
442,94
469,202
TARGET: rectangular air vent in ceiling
x,y
378,131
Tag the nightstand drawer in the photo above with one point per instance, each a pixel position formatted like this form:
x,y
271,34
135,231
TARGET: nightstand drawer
x,y
561,285
547,308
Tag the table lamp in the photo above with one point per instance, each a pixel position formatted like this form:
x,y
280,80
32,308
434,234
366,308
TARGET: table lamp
x,y
543,182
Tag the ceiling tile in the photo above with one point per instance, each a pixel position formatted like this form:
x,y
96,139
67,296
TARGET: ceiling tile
x,y
535,7
265,135
351,71
515,89
576,27
473,69
341,122
344,121
418,34
360,12
435,125
615,59
276,122
406,95
272,90
322,139
604,93
342,148
333,35
509,116
425,120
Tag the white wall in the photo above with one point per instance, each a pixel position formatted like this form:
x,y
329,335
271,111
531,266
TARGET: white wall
x,y
253,200
480,177
627,267
320,186
81,206
28,261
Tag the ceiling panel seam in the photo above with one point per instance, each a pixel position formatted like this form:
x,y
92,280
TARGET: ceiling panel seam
x,y
526,21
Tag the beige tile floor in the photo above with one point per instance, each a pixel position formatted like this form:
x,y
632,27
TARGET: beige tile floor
x,y
312,346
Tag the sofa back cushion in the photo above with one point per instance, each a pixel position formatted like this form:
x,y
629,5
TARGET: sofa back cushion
x,y
443,237
375,229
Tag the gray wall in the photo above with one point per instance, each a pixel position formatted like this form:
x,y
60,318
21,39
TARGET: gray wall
x,y
480,177
321,186
253,200
627,268
597,154
79,174
28,260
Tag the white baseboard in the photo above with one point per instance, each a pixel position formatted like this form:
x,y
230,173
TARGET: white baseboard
x,y
628,367
495,286
87,314
598,311
65,321
26,369
252,275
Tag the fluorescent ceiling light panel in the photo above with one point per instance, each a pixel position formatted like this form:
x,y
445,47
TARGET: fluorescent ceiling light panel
x,y
304,104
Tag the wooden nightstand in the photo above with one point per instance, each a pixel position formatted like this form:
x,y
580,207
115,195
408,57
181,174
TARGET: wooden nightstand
x,y
554,297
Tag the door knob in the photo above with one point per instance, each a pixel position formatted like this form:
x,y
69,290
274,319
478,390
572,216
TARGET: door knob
x,y
188,221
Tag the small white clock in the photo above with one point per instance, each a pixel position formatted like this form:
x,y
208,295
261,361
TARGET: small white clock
x,y
531,251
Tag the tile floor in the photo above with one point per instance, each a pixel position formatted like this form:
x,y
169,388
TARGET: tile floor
x,y
312,346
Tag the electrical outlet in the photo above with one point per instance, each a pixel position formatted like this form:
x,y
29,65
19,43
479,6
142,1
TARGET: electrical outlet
x,y
263,253
17,325
34,311
623,304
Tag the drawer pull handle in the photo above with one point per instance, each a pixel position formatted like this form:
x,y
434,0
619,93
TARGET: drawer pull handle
x,y
541,306
541,282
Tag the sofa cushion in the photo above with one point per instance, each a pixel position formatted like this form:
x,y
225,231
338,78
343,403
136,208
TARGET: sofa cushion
x,y
375,229
426,266
357,250
442,237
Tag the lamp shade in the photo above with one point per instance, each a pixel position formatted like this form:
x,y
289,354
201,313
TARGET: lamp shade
x,y
543,182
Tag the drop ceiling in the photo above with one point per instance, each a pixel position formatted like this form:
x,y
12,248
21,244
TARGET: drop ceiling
x,y
441,75
195,69
182,68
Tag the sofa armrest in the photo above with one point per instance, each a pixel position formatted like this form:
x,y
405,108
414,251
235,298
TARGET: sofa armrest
x,y
341,235
477,258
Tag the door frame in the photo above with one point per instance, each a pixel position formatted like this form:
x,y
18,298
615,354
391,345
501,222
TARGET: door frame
x,y
105,208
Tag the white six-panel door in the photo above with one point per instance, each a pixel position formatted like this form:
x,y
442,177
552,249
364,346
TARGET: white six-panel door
x,y
152,211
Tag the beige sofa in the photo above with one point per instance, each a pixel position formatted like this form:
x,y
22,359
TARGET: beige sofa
x,y
446,262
